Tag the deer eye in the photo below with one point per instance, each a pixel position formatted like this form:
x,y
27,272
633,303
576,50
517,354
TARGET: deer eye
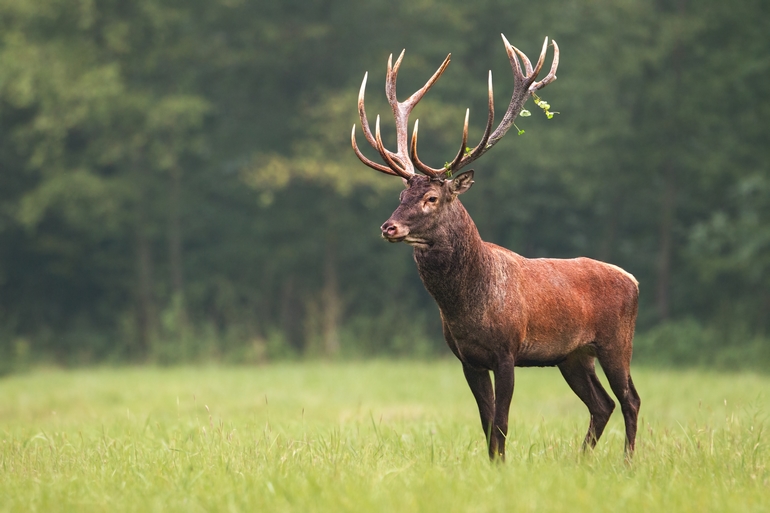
x,y
432,199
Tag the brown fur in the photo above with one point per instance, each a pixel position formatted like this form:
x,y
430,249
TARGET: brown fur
x,y
500,310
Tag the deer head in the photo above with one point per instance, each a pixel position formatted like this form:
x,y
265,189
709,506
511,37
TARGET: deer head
x,y
426,207
427,199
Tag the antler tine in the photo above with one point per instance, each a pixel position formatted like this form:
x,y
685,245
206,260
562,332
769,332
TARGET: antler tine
x,y
540,59
362,113
460,154
527,63
531,73
490,118
551,76
385,154
512,51
391,76
434,173
364,121
362,157
481,147
417,95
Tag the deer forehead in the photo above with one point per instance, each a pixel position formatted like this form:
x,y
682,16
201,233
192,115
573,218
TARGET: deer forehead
x,y
420,186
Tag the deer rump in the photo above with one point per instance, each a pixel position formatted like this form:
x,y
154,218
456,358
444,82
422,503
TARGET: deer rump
x,y
500,310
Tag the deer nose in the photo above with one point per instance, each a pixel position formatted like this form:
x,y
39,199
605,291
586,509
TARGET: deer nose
x,y
389,229
392,230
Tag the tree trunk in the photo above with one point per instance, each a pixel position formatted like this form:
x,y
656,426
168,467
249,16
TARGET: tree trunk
x,y
665,246
174,237
290,315
331,304
146,316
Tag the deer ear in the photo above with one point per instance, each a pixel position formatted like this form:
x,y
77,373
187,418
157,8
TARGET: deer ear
x,y
462,182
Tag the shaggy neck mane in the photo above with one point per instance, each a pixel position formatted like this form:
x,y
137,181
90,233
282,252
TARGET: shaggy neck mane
x,y
453,267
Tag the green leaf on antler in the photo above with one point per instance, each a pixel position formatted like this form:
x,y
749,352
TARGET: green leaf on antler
x,y
545,106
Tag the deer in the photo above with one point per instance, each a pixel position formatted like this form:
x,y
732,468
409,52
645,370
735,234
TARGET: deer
x,y
500,310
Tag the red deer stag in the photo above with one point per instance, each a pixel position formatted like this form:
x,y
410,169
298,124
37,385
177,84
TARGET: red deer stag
x,y
498,309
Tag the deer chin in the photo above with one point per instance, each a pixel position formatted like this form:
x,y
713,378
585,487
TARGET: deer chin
x,y
416,242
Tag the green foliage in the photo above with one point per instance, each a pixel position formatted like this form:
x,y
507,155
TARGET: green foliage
x,y
176,180
545,106
688,343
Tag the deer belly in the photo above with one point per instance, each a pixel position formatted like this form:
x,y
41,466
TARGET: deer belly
x,y
537,351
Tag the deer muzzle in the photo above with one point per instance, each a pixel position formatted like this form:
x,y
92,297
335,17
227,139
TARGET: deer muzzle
x,y
393,231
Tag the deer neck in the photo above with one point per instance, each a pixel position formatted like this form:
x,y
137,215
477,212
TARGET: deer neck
x,y
453,266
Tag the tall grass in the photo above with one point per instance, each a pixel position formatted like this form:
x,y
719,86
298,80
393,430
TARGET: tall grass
x,y
376,436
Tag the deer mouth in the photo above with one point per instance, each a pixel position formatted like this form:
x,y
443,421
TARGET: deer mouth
x,y
393,240
408,239
418,243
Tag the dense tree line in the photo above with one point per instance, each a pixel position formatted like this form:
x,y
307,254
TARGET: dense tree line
x,y
176,180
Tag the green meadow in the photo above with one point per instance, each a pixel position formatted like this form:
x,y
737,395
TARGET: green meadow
x,y
390,436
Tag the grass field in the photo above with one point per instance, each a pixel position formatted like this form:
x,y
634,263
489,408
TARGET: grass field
x,y
370,436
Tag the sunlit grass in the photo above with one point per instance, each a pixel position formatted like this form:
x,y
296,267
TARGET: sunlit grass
x,y
375,436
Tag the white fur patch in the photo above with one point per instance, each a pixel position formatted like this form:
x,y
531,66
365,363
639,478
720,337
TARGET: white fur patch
x,y
623,271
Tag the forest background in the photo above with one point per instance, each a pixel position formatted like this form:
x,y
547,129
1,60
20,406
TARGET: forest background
x,y
177,183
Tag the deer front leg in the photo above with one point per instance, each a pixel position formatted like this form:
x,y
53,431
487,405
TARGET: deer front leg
x,y
481,387
503,396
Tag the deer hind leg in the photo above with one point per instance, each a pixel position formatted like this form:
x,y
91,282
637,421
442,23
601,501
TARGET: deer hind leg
x,y
579,373
617,369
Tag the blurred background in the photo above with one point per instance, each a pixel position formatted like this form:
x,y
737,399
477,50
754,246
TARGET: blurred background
x,y
177,183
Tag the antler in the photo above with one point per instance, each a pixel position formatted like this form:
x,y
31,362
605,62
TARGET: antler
x,y
524,86
403,162
398,163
